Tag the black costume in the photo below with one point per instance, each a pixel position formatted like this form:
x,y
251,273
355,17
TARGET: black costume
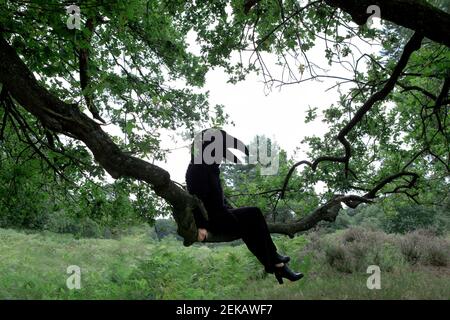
x,y
248,223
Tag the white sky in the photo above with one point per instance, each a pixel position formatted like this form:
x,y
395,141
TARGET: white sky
x,y
278,114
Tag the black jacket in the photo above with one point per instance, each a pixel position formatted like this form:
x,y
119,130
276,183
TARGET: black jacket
x,y
204,182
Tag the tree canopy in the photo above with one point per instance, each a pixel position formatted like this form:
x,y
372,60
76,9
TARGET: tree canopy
x,y
131,65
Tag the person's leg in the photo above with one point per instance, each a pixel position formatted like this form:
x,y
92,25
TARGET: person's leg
x,y
249,224
255,233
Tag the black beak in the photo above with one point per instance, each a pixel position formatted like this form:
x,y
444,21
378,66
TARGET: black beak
x,y
233,143
205,139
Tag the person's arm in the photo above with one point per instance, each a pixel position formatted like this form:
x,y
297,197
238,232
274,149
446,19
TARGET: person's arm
x,y
200,220
216,199
197,185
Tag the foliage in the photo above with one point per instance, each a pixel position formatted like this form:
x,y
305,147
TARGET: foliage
x,y
147,75
395,215
357,249
136,267
424,247
33,196
144,73
166,227
353,250
409,218
246,185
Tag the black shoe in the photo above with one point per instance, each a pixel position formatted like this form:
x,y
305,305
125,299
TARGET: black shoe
x,y
282,259
285,272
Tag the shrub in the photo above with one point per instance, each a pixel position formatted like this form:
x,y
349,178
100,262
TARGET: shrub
x,y
409,248
90,229
166,227
425,247
338,258
353,234
355,249
436,254
410,218
61,222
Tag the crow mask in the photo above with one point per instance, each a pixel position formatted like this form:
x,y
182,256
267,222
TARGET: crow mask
x,y
211,146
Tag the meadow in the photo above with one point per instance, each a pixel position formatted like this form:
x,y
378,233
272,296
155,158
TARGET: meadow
x,y
136,265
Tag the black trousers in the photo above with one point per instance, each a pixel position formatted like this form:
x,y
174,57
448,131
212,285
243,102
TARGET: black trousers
x,y
249,224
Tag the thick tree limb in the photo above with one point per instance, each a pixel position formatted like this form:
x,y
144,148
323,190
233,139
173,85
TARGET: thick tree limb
x,y
329,211
58,116
326,212
413,14
413,44
416,15
65,118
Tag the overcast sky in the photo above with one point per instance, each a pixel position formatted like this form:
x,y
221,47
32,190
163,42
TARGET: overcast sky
x,y
278,114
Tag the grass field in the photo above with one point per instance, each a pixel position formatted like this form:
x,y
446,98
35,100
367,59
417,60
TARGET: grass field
x,y
34,266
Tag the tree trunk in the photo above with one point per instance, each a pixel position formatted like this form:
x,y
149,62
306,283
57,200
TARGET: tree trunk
x,y
413,14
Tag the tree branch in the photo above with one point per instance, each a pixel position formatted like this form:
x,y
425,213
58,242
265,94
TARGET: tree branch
x,y
413,14
85,79
329,211
413,44
65,118
326,212
416,15
439,102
